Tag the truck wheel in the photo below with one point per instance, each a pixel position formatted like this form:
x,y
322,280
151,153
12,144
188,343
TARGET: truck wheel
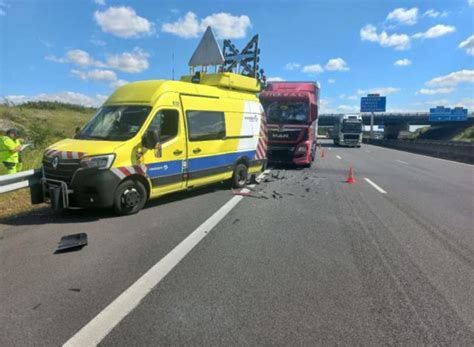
x,y
130,197
240,176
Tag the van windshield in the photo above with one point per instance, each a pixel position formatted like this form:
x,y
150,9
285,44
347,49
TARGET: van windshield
x,y
287,112
115,123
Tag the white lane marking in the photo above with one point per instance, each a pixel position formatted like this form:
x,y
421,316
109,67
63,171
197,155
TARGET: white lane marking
x,y
401,161
102,324
375,186
338,156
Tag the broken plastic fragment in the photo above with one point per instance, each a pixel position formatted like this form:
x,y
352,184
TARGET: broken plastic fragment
x,y
72,242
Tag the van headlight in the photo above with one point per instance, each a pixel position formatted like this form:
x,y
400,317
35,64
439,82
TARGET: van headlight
x,y
101,162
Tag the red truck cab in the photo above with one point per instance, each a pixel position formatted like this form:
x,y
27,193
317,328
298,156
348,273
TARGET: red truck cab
x,y
292,113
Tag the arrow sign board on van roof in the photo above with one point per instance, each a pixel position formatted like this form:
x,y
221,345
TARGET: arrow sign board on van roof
x,y
207,52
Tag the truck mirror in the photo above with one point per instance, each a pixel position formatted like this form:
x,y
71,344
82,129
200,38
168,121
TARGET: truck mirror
x,y
314,112
150,139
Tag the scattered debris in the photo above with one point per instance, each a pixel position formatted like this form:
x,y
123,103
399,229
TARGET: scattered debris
x,y
240,192
236,221
72,242
36,306
75,289
307,190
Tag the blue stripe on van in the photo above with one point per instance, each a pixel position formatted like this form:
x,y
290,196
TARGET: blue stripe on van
x,y
165,168
198,164
174,167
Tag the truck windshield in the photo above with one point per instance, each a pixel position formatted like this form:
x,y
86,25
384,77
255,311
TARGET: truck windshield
x,y
287,112
351,127
115,123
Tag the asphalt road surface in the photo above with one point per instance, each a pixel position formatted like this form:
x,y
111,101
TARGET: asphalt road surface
x,y
305,259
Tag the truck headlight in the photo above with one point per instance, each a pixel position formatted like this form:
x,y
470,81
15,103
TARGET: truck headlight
x,y
101,162
301,150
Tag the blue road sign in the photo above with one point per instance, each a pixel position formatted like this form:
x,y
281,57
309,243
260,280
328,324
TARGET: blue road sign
x,y
446,114
373,103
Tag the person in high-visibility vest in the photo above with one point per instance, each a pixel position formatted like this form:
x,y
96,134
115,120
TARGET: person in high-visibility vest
x,y
10,151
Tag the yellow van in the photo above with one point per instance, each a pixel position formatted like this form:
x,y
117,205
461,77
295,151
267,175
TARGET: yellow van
x,y
152,138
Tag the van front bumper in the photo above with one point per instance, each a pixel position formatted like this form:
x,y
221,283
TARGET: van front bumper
x,y
88,188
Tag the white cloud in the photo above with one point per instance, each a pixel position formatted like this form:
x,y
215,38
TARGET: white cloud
x,y
100,2
81,58
122,22
133,62
336,64
470,2
331,80
381,90
292,66
452,79
224,25
436,31
187,26
3,7
398,41
96,75
348,108
435,91
402,62
312,69
98,42
435,14
118,83
275,79
404,16
66,97
100,76
468,45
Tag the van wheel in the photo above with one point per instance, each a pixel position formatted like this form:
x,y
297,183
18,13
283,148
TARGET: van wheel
x,y
240,176
130,197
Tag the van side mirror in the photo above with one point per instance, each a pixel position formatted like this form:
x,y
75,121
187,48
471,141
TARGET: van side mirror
x,y
150,139
314,112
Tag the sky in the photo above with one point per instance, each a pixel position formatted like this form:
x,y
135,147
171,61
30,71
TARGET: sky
x,y
419,54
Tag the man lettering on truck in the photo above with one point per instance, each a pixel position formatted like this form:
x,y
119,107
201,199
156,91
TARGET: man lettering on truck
x,y
10,151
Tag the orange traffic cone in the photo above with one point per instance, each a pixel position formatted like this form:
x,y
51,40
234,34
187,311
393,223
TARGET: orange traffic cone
x,y
350,177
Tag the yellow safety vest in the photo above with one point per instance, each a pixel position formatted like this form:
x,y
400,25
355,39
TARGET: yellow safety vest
x,y
7,146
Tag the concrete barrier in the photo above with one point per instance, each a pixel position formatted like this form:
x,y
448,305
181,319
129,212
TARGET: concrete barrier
x,y
451,150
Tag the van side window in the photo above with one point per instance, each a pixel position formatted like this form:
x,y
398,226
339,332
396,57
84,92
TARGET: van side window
x,y
166,124
205,125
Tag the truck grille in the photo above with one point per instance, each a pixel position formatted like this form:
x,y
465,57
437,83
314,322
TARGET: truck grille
x,y
63,172
280,153
351,137
285,135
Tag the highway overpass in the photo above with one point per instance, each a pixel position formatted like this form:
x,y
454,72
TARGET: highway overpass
x,y
395,122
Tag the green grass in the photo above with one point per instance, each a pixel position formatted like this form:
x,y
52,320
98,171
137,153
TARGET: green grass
x,y
466,136
42,123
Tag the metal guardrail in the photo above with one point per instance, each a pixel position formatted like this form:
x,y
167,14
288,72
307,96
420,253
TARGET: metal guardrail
x,y
25,179
451,150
